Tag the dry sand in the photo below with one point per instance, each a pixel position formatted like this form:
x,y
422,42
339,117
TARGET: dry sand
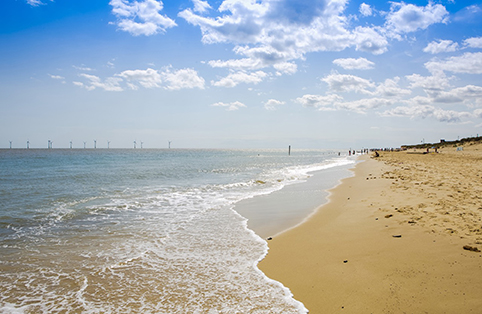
x,y
391,239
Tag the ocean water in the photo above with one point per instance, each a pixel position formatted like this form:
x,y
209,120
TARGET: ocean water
x,y
141,231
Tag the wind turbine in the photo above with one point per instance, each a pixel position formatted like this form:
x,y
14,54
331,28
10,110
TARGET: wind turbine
x,y
169,144
135,143
108,144
70,144
10,144
28,144
95,144
49,144
84,144
141,144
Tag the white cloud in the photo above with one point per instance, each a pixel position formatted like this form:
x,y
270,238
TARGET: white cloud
x,y
286,68
369,40
333,102
318,101
473,42
184,78
469,14
82,68
110,84
478,113
201,6
354,64
273,104
267,33
168,79
390,88
346,83
236,78
147,78
406,18
238,64
467,63
426,111
140,18
57,77
430,84
230,106
362,105
36,3
441,46
467,95
365,9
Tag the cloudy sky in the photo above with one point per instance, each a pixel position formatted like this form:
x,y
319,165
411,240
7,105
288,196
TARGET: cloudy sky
x,y
239,73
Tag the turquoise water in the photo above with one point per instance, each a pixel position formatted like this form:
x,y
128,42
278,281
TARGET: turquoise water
x,y
152,231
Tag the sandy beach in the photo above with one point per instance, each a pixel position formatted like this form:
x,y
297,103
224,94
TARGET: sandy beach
x,y
402,236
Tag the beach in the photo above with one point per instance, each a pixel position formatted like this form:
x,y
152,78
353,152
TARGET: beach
x,y
403,235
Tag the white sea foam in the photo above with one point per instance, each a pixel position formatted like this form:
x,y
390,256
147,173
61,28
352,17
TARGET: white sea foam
x,y
166,246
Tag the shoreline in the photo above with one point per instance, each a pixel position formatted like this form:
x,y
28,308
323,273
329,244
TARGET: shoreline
x,y
271,214
379,244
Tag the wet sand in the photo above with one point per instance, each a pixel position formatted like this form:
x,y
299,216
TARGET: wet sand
x,y
391,239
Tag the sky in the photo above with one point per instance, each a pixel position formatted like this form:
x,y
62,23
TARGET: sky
x,y
239,73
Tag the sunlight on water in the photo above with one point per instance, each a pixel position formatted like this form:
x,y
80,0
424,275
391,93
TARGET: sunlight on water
x,y
139,231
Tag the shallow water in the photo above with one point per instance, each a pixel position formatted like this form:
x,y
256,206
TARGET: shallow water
x,y
154,231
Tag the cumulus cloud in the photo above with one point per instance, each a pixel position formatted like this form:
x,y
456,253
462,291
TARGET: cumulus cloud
x,y
406,18
236,78
110,84
473,42
268,33
334,102
426,111
232,106
441,46
82,68
286,68
467,63
478,113
469,95
147,78
365,9
35,3
237,64
354,64
368,39
201,6
181,79
346,83
390,88
57,77
430,84
140,17
318,101
273,104
168,78
362,105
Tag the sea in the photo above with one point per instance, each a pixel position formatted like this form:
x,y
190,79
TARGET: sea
x,y
152,230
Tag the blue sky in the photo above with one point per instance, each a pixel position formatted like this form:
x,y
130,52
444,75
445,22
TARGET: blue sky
x,y
239,73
